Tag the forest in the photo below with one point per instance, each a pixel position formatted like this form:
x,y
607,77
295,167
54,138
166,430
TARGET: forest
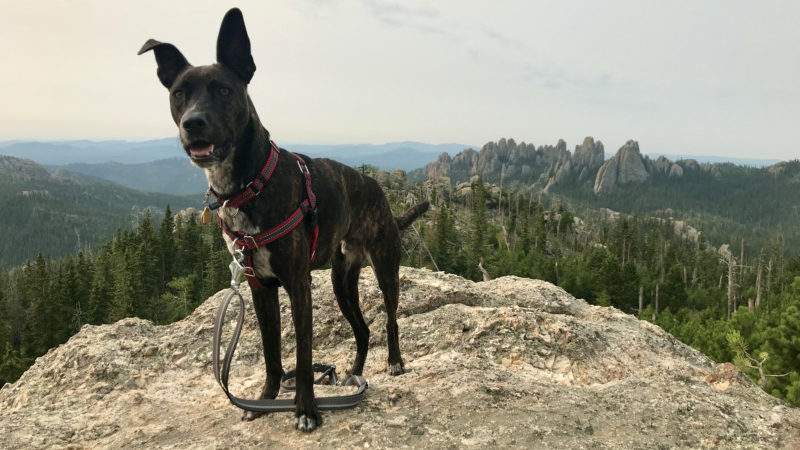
x,y
730,302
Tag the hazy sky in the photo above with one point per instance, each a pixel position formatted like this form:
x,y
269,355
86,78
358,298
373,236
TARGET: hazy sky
x,y
701,77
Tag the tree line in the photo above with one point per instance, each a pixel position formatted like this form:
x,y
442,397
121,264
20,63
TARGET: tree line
x,y
159,274
731,303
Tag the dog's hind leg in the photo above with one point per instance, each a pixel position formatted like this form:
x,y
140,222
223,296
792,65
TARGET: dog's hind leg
x,y
385,256
265,302
344,276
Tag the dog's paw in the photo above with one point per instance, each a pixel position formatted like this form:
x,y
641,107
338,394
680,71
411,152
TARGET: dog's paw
x,y
251,415
307,423
396,369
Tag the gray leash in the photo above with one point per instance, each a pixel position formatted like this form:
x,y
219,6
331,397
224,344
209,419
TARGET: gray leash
x,y
222,367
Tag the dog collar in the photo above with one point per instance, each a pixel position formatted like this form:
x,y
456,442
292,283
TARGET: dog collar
x,y
253,188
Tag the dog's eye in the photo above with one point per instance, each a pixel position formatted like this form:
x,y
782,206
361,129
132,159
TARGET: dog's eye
x,y
224,91
178,94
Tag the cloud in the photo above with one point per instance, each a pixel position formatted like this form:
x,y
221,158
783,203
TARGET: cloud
x,y
504,40
425,19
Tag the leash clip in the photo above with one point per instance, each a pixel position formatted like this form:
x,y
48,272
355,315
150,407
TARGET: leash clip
x,y
238,269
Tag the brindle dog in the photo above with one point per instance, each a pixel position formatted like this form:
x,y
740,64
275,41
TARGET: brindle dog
x,y
222,134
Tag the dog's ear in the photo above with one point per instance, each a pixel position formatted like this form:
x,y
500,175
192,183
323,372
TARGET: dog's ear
x,y
233,46
171,61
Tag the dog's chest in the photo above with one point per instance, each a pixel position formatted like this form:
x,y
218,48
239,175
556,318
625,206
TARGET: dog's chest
x,y
238,221
219,176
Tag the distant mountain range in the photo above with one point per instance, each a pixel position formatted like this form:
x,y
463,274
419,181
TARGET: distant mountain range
x,y
160,165
83,195
92,152
171,176
406,155
751,162
143,166
727,201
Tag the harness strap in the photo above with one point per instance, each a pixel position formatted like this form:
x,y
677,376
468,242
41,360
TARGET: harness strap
x,y
222,370
306,211
254,187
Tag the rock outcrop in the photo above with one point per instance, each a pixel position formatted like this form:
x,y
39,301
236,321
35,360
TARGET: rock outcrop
x,y
579,167
510,362
588,158
627,166
520,164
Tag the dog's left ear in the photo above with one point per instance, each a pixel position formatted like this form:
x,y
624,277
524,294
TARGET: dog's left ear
x,y
170,60
233,46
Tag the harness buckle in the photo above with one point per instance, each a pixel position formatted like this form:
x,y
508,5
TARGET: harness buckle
x,y
303,167
242,242
225,206
256,191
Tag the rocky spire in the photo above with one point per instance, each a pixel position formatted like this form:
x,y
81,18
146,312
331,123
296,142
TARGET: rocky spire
x,y
627,166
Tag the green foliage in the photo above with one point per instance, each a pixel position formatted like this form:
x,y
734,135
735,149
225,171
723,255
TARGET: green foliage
x,y
603,299
162,275
59,215
158,275
609,261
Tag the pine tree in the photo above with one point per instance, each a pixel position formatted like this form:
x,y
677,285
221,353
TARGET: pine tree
x,y
102,289
478,230
12,364
41,327
149,255
445,240
166,247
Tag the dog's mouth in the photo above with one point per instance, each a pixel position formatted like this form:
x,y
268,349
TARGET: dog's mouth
x,y
201,149
204,152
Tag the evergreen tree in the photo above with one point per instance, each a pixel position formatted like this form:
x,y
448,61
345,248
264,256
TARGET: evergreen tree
x,y
445,240
102,289
478,230
166,247
148,255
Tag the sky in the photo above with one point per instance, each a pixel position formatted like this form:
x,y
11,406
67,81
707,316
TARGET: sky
x,y
680,77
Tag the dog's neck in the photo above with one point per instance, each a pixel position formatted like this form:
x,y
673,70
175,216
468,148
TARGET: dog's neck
x,y
245,160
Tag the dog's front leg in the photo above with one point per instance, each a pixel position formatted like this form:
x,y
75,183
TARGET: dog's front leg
x,y
265,301
306,412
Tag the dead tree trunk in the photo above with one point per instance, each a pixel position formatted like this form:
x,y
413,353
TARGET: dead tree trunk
x,y
730,287
655,311
641,298
769,283
758,283
486,276
500,201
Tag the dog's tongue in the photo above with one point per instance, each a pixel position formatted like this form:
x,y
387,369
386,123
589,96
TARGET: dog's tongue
x,y
201,150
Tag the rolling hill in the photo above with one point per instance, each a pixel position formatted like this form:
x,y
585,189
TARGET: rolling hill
x,y
59,213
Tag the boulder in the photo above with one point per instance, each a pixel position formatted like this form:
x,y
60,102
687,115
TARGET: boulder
x,y
511,362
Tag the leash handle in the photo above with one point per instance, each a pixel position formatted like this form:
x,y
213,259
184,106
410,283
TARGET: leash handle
x,y
222,369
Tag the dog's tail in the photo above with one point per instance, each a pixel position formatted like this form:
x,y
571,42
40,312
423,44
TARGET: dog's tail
x,y
411,215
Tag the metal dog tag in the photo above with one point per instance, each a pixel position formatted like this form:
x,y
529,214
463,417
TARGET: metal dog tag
x,y
205,218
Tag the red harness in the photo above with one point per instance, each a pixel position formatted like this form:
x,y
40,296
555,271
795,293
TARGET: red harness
x,y
306,210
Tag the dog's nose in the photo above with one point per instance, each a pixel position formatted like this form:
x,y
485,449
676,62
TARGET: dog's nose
x,y
194,122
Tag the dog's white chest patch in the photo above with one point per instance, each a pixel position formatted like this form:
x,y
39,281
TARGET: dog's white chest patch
x,y
219,176
238,221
